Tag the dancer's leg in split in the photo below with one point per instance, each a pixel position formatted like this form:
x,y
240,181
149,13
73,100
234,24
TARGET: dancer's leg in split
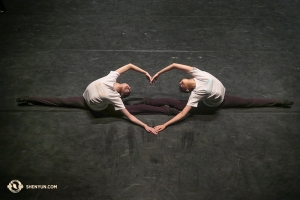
x,y
72,102
179,105
175,103
144,109
79,102
239,102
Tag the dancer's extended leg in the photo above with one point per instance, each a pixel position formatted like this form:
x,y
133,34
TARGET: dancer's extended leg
x,y
239,102
144,109
175,103
74,102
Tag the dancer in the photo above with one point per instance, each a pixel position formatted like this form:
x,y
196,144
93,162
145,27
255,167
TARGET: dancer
x,y
103,98
207,95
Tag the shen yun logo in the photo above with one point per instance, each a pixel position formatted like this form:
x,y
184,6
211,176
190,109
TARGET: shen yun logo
x,y
15,186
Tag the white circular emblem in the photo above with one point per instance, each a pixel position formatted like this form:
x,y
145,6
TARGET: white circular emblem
x,y
15,186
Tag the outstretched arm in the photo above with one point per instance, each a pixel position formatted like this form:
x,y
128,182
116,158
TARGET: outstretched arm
x,y
179,116
137,121
133,67
185,68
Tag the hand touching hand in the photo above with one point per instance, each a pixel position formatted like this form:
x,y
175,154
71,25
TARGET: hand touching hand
x,y
148,77
159,128
154,78
150,129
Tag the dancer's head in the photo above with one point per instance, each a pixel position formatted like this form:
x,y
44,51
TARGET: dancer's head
x,y
184,85
125,90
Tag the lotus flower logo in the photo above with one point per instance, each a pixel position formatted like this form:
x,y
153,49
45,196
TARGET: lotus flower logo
x,y
15,186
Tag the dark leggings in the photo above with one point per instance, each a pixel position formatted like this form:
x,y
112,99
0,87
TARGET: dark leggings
x,y
239,102
229,102
79,102
154,106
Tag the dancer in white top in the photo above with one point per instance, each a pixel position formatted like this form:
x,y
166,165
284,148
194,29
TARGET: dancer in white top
x,y
102,97
207,95
107,90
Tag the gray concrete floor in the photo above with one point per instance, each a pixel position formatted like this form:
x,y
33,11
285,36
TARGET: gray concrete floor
x,y
56,48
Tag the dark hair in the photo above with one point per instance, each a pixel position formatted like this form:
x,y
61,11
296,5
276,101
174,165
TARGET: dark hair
x,y
182,90
125,95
